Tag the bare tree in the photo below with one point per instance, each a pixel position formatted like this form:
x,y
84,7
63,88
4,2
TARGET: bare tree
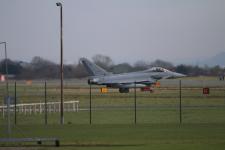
x,y
80,71
122,68
161,63
141,65
103,61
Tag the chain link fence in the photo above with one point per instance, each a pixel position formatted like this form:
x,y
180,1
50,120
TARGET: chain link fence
x,y
172,102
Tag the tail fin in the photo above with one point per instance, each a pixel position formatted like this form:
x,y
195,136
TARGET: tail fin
x,y
92,68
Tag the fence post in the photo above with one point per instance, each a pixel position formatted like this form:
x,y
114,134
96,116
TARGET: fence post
x,y
180,102
46,109
15,102
135,104
8,116
90,105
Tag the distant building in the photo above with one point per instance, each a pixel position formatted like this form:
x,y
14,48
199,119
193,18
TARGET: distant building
x,y
2,77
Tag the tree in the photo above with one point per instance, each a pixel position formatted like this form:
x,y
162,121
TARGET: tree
x,y
80,71
42,68
216,70
182,69
161,63
140,65
14,67
103,61
122,68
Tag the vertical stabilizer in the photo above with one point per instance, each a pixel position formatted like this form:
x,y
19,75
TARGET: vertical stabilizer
x,y
92,68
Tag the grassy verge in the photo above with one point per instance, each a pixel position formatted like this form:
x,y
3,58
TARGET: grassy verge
x,y
123,136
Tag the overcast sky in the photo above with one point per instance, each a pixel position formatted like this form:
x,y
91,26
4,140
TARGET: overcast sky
x,y
125,30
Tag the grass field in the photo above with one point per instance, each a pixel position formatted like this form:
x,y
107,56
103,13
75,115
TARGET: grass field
x,y
126,136
158,119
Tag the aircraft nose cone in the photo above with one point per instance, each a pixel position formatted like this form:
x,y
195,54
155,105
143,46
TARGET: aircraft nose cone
x,y
174,75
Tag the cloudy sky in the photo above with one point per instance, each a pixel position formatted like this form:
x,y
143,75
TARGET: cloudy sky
x,y
125,30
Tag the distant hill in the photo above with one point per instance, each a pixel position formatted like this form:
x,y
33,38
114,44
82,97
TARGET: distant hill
x,y
218,59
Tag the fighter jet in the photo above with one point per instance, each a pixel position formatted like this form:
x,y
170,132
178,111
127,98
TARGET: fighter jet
x,y
124,81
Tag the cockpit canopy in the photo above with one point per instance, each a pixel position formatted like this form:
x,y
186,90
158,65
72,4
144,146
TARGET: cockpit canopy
x,y
157,69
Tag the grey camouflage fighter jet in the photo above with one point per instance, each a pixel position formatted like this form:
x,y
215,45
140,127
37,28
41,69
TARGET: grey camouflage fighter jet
x,y
125,81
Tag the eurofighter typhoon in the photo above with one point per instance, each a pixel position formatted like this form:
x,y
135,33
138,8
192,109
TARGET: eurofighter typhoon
x,y
124,81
